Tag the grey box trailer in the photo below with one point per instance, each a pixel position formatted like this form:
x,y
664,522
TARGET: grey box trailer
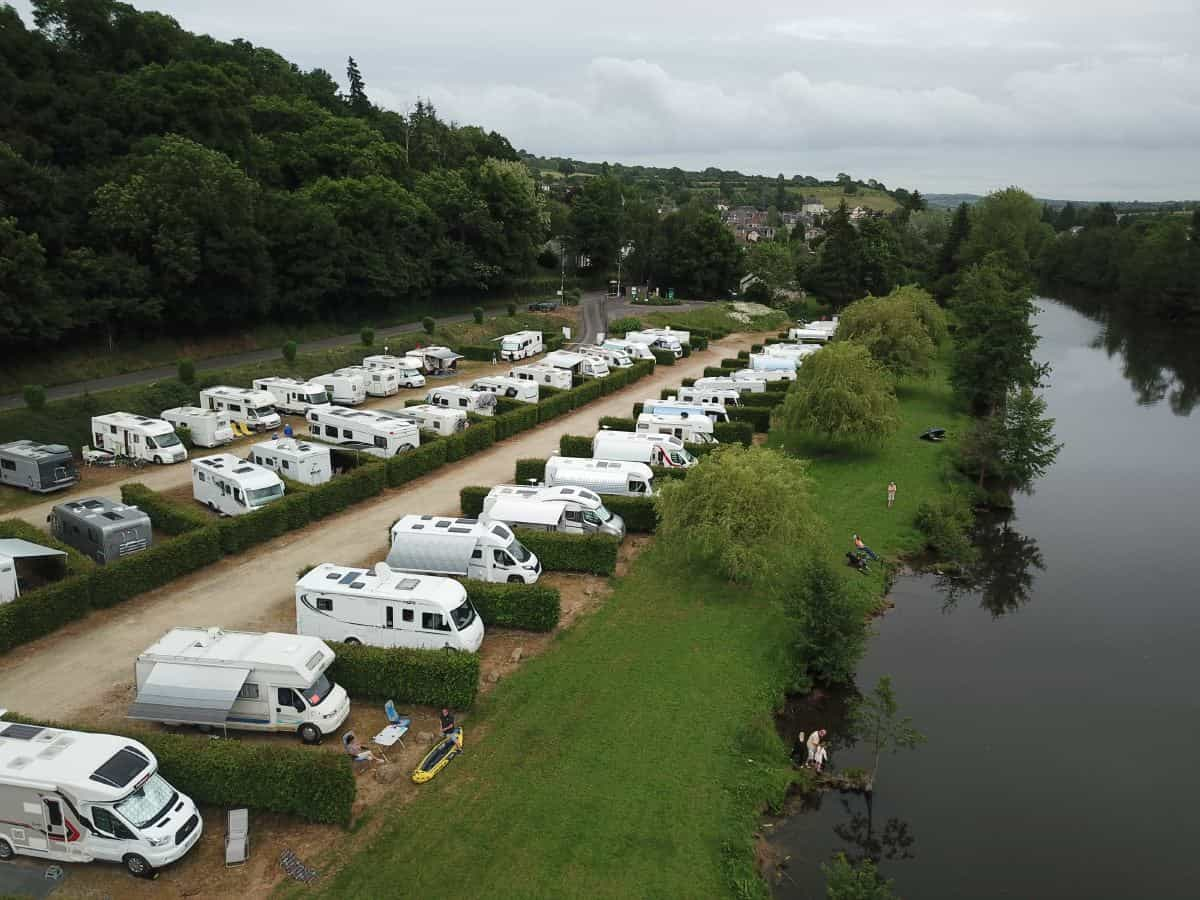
x,y
101,528
37,467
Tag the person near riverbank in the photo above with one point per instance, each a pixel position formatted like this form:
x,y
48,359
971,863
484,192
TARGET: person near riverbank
x,y
447,721
814,742
863,548
820,757
891,493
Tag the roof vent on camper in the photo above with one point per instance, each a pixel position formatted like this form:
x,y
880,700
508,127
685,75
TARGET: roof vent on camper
x,y
242,470
445,523
20,762
407,584
22,732
349,577
358,585
461,530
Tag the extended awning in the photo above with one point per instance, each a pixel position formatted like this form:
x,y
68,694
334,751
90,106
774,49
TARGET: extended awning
x,y
22,549
179,693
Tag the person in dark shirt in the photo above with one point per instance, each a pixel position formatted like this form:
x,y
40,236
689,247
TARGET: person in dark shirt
x,y
447,721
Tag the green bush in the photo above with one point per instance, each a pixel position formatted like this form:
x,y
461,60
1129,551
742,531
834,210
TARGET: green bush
x,y
38,613
367,336
477,315
946,522
528,469
699,450
594,554
638,512
506,405
662,473
35,397
241,532
757,417
619,423
367,480
289,351
663,357
76,562
621,325
529,607
766,398
166,515
429,324
185,437
186,370
471,500
408,466
575,445
734,433
587,392
555,405
553,341
699,342
427,677
719,371
141,572
515,421
754,348
734,364
688,382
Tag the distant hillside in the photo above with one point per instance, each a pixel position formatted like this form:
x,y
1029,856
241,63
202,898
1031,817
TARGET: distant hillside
x,y
949,201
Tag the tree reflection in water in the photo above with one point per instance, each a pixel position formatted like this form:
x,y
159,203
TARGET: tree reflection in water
x,y
894,841
1003,572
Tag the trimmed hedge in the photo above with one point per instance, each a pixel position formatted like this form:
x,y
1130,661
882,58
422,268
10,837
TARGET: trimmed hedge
x,y
719,371
766,398
663,357
408,466
428,677
529,607
688,382
758,417
37,613
661,473
470,500
594,554
733,364
367,480
575,445
529,468
699,342
638,512
557,405
699,450
166,515
619,423
480,353
118,581
734,433
516,421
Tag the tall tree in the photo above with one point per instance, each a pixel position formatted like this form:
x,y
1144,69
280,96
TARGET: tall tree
x,y
875,719
835,275
1007,223
359,104
950,256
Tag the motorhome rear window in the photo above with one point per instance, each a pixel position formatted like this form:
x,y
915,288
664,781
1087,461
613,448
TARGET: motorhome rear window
x,y
125,765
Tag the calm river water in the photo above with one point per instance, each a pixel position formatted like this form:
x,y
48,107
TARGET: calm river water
x,y
1061,699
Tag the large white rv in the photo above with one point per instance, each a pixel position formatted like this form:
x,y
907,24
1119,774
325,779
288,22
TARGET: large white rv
x,y
805,333
208,428
569,509
382,431
520,344
240,679
293,395
441,545
798,352
652,449
503,386
453,396
75,796
386,608
633,349
344,390
253,409
431,418
382,382
604,476
709,397
294,459
577,364
138,437
616,359
771,368
407,368
37,467
540,373
673,407
661,338
747,382
232,486
691,427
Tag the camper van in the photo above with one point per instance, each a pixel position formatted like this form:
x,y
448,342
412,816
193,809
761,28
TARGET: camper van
x,y
344,390
407,368
709,397
240,679
747,382
604,476
253,409
431,418
632,349
568,509
37,467
207,427
79,796
616,359
520,344
540,373
437,359
380,382
652,449
453,396
23,561
441,545
513,388
661,339
293,395
798,352
232,486
294,459
577,363
692,427
385,608
674,407
101,529
138,437
382,431
772,368
804,333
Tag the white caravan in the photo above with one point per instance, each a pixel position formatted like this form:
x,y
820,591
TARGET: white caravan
x,y
138,437
652,449
294,459
540,373
569,509
380,382
383,432
253,409
344,390
453,396
17,554
672,407
747,382
633,349
232,486
430,418
441,545
512,388
76,796
386,608
520,344
805,333
709,397
293,395
407,368
772,368
438,359
616,359
604,476
798,352
240,679
208,428
661,339
691,428
577,364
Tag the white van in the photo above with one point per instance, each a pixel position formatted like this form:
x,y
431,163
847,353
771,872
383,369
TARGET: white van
x,y
431,418
297,460
77,796
253,409
453,396
344,390
604,476
407,368
691,428
240,679
293,395
673,407
709,397
520,344
382,432
441,545
138,437
386,608
652,449
208,428
380,382
769,368
567,509
616,359
503,386
232,486
632,349
745,382
660,339
540,373
577,363
805,333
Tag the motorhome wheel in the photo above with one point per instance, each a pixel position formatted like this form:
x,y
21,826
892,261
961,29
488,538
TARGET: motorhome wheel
x,y
158,461
138,866
310,733
352,640
6,850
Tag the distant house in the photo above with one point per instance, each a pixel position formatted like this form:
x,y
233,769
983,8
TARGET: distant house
x,y
813,206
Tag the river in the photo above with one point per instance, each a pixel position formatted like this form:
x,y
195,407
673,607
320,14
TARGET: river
x,y
1060,700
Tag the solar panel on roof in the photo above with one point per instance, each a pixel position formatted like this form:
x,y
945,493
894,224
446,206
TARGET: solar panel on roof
x,y
443,524
22,732
242,470
349,577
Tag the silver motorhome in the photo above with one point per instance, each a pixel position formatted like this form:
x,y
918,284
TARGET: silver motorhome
x,y
568,509
100,528
453,396
381,382
709,397
344,390
293,395
513,388
407,368
442,545
37,467
604,476
428,417
747,383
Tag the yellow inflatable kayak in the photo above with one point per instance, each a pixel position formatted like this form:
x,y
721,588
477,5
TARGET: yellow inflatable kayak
x,y
437,758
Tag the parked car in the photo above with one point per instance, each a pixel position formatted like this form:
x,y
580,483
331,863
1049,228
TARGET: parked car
x,y
544,306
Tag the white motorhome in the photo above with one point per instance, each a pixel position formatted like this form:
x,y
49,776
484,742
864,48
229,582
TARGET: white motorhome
x,y
240,679
672,407
503,386
745,382
138,437
805,333
616,359
75,796
604,476
661,339
294,459
798,352
540,373
21,560
232,486
344,390
293,395
453,396
253,409
381,382
709,397
632,446
692,428
569,509
438,359
208,428
772,368
380,430
430,418
633,349
577,363
386,608
407,368
441,545
520,344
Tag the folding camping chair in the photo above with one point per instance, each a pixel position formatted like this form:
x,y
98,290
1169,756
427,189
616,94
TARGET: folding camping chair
x,y
237,838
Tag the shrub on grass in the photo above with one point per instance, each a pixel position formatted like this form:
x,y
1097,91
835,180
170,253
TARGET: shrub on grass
x,y
946,521
186,369
429,324
624,324
428,677
594,554
619,423
530,469
367,336
638,512
529,607
719,371
575,445
733,364
842,394
470,500
289,351
185,437
35,397
735,433
166,515
555,405
477,314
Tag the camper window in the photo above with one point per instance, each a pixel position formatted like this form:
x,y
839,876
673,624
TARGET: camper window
x,y
262,411
330,431
348,434
406,615
147,803
325,604
381,442
234,407
261,495
287,697
319,690
286,464
477,554
249,691
502,558
518,550
637,487
434,622
573,515
591,518
112,429
108,825
464,615
8,464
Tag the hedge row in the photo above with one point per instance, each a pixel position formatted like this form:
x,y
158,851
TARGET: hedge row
x,y
594,554
427,677
733,363
663,357
766,398
734,433
529,469
76,563
720,371
470,500
577,445
757,417
165,516
620,423
515,421
37,613
480,353
638,512
529,607
118,581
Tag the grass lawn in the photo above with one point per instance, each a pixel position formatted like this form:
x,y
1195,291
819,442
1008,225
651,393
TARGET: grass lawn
x,y
714,317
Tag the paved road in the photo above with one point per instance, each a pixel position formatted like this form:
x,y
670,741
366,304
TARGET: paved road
x,y
597,308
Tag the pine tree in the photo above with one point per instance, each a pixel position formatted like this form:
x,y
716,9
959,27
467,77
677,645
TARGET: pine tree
x,y
358,89
948,256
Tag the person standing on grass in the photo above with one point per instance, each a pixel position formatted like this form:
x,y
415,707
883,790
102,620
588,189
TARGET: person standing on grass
x,y
447,721
891,493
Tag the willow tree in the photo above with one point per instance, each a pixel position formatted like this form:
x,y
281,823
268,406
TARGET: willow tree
x,y
843,394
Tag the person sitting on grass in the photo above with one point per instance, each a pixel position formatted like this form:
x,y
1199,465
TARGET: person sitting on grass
x,y
863,548
447,721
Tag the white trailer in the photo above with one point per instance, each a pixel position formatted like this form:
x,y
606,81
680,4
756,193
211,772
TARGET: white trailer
x,y
566,509
253,409
691,427
772,368
633,349
232,486
520,344
344,390
294,459
616,359
632,446
441,545
20,559
714,411
386,608
661,339
577,363
710,397
293,395
540,373
804,333
407,368
746,382
75,796
380,382
428,417
378,429
239,679
138,437
503,386
208,428
453,396
38,467
604,476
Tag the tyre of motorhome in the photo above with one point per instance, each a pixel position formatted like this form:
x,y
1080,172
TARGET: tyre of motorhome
x,y
208,428
380,382
428,417
709,397
75,796
604,476
690,427
441,545
407,368
138,437
37,467
239,679
452,396
616,359
308,463
344,390
232,486
540,373
746,382
503,386
253,409
387,434
633,349
673,407
652,449
520,344
382,607
567,509
293,395
577,363
100,528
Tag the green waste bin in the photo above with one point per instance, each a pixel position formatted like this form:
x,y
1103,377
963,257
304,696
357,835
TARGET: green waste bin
x,y
670,293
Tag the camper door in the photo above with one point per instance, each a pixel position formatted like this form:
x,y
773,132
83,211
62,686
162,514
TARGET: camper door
x,y
291,711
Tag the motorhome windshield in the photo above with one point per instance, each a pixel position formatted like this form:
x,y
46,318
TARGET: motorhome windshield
x,y
147,803
318,692
317,399
261,412
259,496
170,439
463,616
596,516
682,458
517,549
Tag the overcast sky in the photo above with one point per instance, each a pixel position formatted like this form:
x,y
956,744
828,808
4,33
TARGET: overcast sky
x,y
1065,98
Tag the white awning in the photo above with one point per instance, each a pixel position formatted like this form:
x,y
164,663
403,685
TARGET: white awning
x,y
17,548
179,693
